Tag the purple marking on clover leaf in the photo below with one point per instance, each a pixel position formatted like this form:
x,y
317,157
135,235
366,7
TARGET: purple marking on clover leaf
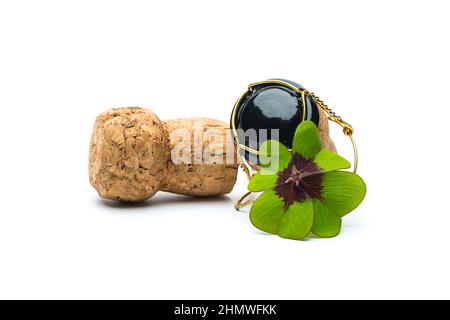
x,y
301,180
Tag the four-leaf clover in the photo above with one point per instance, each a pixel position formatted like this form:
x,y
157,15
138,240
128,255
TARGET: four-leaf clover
x,y
303,190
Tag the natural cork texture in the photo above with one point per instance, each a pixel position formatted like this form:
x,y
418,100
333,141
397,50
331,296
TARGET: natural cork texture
x,y
324,131
208,178
130,156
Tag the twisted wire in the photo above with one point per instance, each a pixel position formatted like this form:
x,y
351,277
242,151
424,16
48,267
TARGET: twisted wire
x,y
347,128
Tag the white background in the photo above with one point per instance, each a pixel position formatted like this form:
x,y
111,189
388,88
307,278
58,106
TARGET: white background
x,y
383,65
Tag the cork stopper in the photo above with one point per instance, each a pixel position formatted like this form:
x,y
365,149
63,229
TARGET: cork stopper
x,y
131,156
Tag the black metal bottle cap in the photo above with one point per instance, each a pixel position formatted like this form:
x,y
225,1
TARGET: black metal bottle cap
x,y
272,104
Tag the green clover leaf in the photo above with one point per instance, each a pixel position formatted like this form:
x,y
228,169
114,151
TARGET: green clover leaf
x,y
303,190
307,140
273,157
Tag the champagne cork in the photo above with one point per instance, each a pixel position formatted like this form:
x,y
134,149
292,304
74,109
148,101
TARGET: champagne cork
x,y
133,155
